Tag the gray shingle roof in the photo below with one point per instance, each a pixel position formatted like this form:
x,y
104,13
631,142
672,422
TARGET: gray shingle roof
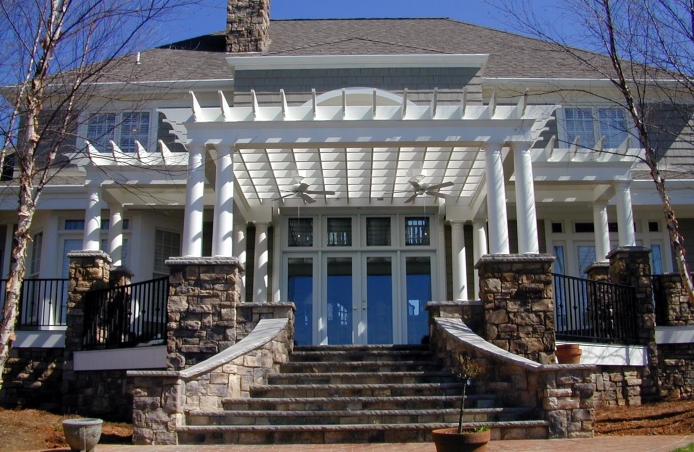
x,y
511,55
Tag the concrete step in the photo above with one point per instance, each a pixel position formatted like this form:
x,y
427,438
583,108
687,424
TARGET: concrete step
x,y
325,417
361,377
362,348
358,366
346,433
356,390
358,403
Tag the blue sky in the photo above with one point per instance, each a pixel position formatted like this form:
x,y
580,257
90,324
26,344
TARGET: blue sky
x,y
197,20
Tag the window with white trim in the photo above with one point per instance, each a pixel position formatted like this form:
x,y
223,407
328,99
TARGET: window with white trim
x,y
37,243
166,245
593,123
122,128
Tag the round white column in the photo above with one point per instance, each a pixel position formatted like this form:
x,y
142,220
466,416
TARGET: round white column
x,y
459,264
115,235
602,231
496,200
222,240
525,200
92,219
240,253
625,215
195,189
479,248
260,276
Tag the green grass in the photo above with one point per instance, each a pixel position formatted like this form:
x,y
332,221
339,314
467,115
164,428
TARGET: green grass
x,y
689,448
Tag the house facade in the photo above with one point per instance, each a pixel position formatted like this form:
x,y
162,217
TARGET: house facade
x,y
357,168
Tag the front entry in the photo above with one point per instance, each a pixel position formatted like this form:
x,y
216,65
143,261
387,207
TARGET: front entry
x,y
365,297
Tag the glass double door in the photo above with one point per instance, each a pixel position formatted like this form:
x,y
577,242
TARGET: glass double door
x,y
364,298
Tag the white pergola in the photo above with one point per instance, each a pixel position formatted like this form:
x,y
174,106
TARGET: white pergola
x,y
366,145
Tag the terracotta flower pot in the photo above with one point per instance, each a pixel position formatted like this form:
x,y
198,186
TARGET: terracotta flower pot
x,y
82,434
568,354
449,440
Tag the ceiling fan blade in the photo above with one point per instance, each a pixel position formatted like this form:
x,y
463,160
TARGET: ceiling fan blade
x,y
438,186
437,194
319,192
411,198
307,199
282,197
415,184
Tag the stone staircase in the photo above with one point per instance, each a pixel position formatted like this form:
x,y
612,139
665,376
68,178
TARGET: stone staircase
x,y
354,394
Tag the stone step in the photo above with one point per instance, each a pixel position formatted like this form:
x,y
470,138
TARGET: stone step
x,y
356,390
274,417
347,433
361,377
384,355
358,366
358,403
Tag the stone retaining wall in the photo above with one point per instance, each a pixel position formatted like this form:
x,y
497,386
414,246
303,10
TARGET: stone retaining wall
x,y
162,398
561,394
620,385
32,378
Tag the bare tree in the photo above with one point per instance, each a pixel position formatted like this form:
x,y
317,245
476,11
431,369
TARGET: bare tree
x,y
53,53
647,49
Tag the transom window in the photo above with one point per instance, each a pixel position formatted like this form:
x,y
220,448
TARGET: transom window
x,y
378,231
122,128
300,231
593,123
339,232
417,231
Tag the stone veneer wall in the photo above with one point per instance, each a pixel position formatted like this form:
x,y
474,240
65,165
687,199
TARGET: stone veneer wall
x,y
203,296
248,23
561,394
518,298
673,307
161,398
472,313
620,385
32,378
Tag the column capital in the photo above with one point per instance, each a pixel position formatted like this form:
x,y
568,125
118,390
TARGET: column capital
x,y
520,146
622,184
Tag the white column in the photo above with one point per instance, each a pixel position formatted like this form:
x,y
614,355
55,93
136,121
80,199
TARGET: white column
x,y
602,232
92,219
525,200
222,240
459,267
115,234
260,277
195,189
479,248
496,200
240,253
625,215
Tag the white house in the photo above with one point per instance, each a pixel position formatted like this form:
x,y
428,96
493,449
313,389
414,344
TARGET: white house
x,y
359,168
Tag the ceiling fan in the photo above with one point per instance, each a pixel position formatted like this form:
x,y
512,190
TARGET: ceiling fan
x,y
425,189
300,190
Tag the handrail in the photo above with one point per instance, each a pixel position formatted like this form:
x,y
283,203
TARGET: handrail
x,y
42,302
594,311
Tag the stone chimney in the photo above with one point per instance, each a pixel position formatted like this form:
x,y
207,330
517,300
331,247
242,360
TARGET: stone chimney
x,y
248,25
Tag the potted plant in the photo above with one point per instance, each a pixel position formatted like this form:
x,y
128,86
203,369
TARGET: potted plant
x,y
568,353
460,439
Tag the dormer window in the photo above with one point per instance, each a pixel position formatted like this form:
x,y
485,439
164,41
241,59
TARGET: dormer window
x,y
121,128
593,123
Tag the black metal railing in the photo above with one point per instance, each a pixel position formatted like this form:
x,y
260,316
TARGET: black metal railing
x,y
126,316
594,311
42,302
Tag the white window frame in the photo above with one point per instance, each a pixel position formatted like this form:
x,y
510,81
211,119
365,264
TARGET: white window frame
x,y
118,135
562,131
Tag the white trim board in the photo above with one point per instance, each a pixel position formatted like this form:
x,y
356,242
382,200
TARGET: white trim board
x,y
39,339
122,359
613,355
674,334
